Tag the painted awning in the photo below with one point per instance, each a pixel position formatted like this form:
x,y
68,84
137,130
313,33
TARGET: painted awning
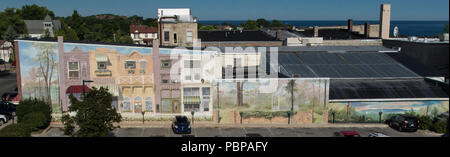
x,y
77,89
101,58
113,89
191,100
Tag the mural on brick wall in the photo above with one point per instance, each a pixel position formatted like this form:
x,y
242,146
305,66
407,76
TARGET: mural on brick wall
x,y
38,70
269,100
369,111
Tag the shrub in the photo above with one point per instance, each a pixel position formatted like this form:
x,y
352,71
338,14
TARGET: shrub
x,y
35,120
32,105
263,114
440,126
426,123
68,125
15,130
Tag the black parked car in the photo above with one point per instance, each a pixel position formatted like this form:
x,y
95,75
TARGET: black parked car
x,y
403,122
181,125
2,61
8,109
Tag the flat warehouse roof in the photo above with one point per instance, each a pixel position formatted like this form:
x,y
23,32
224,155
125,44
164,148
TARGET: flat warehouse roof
x,y
347,89
341,65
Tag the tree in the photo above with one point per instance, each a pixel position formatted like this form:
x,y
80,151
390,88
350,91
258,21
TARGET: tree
x,y
10,36
35,12
209,28
263,23
47,65
291,89
251,25
277,23
94,115
239,93
46,33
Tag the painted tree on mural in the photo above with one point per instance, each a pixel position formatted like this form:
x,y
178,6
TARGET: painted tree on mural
x,y
239,93
290,87
47,65
34,82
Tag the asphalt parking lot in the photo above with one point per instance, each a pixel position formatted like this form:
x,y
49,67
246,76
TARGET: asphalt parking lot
x,y
253,132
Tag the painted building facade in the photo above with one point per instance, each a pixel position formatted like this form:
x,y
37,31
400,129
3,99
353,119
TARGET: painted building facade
x,y
163,82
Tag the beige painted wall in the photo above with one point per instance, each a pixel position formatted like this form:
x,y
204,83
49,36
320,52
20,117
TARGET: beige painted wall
x,y
181,30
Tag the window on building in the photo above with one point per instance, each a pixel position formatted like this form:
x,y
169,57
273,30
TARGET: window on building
x,y
191,91
191,99
146,35
206,98
130,64
166,36
148,104
136,35
191,64
126,104
74,70
143,66
175,39
189,36
101,65
165,64
138,104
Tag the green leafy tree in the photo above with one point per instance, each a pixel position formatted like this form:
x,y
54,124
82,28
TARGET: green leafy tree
x,y
35,12
209,28
94,115
250,25
277,23
46,33
263,23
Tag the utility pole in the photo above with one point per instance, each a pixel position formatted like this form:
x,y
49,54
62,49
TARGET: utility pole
x,y
114,37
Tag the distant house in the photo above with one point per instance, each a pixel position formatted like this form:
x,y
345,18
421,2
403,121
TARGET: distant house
x,y
177,27
5,50
37,28
142,34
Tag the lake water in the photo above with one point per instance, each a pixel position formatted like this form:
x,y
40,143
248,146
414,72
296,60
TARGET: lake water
x,y
408,28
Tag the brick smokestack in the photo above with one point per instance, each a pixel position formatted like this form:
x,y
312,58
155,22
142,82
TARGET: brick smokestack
x,y
367,30
385,20
316,31
350,28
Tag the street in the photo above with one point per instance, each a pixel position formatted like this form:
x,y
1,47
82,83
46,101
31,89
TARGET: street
x,y
253,132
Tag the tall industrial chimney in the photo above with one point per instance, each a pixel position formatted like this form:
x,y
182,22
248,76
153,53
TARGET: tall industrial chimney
x,y
385,20
367,30
316,31
350,28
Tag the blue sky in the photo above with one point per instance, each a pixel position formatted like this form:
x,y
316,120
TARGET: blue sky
x,y
252,9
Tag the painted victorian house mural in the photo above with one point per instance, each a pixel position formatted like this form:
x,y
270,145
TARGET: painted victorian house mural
x,y
135,80
74,69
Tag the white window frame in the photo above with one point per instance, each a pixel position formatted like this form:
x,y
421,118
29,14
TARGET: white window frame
x,y
189,38
68,69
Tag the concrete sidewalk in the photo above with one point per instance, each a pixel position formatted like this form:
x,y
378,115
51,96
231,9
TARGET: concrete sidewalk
x,y
167,124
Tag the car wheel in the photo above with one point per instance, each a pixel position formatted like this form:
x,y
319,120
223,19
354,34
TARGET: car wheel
x,y
400,128
1,122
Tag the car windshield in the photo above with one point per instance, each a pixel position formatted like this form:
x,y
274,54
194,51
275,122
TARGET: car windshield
x,y
182,120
